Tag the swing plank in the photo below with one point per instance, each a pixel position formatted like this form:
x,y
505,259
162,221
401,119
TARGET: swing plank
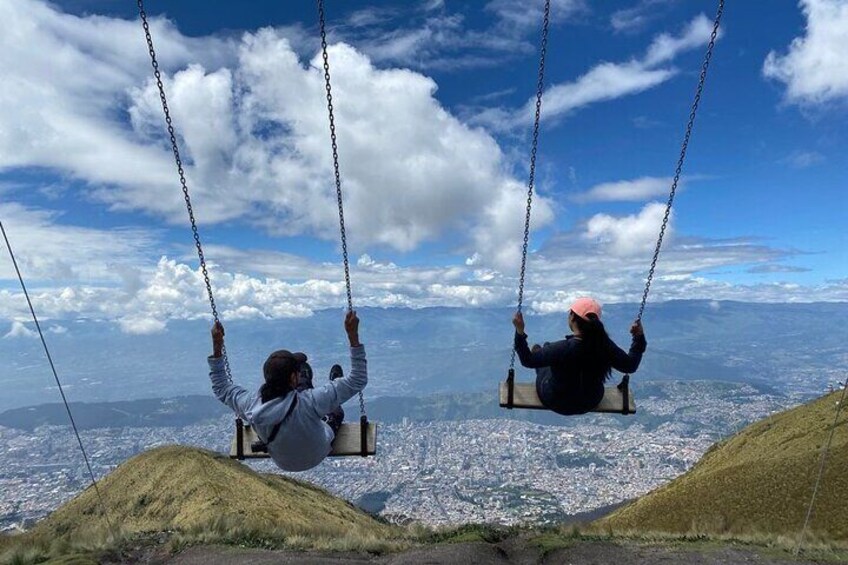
x,y
524,396
347,442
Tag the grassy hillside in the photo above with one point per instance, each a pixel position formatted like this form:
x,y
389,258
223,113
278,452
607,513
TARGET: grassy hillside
x,y
185,489
758,481
188,496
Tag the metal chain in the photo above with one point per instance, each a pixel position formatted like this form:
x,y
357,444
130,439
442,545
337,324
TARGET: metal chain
x,y
181,172
540,85
336,172
103,508
682,158
839,406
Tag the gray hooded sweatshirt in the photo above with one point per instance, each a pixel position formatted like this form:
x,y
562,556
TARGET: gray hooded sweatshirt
x,y
304,439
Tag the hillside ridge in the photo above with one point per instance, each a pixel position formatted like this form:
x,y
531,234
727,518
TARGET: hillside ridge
x,y
757,481
181,488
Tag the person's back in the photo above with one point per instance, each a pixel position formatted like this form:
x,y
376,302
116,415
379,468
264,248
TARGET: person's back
x,y
571,373
568,385
304,439
293,423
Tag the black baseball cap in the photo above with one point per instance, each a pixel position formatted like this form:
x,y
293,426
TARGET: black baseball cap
x,y
281,364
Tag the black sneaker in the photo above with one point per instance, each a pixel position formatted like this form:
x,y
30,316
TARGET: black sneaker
x,y
304,377
336,372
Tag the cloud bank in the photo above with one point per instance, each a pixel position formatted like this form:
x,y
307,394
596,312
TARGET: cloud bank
x,y
251,116
253,129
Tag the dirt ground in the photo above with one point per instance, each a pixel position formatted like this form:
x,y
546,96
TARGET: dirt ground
x,y
512,551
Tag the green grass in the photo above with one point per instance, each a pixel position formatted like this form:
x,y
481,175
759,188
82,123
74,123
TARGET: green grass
x,y
29,549
756,483
777,547
552,540
240,534
487,533
200,497
72,560
178,488
35,548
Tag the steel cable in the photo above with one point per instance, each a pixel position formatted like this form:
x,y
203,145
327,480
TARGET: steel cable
x,y
56,378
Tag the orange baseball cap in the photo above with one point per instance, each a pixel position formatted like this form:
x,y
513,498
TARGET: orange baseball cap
x,y
584,306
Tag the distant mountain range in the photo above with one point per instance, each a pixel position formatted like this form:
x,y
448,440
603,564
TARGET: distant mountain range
x,y
433,350
149,412
187,410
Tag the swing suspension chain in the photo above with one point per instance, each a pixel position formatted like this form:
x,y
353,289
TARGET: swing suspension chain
x,y
540,85
336,171
179,163
690,124
334,142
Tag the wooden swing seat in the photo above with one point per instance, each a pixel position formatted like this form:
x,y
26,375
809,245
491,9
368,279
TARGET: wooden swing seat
x,y
348,442
524,396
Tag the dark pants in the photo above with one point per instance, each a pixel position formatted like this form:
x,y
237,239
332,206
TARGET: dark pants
x,y
569,400
304,382
335,419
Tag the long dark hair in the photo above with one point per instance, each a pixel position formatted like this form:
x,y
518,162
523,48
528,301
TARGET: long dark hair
x,y
277,370
595,344
274,389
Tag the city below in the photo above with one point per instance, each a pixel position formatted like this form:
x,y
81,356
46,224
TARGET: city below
x,y
503,471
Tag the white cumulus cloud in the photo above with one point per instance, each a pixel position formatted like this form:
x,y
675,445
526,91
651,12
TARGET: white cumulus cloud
x,y
252,123
19,329
643,188
628,235
815,68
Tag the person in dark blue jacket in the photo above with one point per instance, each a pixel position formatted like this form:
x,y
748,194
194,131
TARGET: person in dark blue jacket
x,y
570,373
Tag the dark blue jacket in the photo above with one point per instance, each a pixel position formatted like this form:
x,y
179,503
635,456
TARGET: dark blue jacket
x,y
566,388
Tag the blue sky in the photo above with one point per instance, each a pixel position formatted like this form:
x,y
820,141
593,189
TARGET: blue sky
x,y
431,103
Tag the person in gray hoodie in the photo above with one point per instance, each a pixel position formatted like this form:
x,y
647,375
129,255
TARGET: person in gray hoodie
x,y
298,424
